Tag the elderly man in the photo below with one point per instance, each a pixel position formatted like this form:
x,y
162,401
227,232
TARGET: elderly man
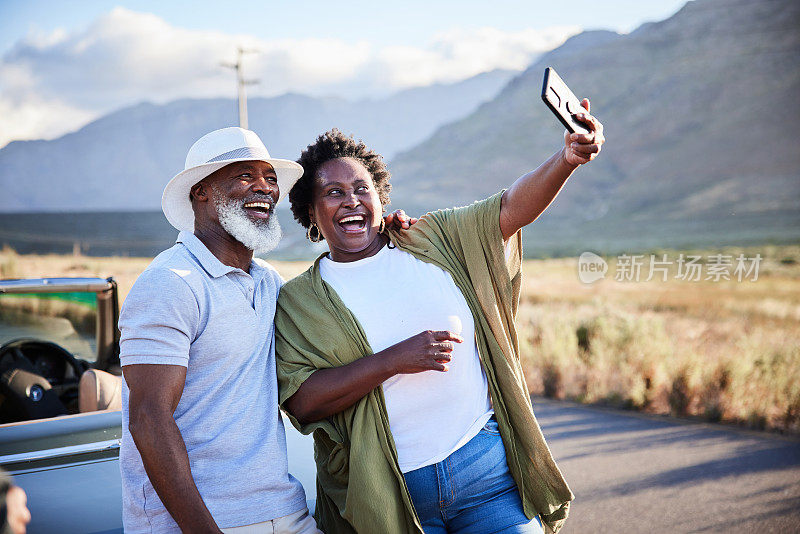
x,y
203,446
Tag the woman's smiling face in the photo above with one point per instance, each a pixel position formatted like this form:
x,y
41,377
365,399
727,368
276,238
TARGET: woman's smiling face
x,y
347,209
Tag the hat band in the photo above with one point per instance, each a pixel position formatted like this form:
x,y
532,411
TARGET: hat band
x,y
242,153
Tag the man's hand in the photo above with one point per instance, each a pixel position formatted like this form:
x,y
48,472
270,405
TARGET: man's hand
x,y
398,220
17,513
583,148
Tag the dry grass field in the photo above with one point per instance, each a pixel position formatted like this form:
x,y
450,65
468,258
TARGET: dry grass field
x,y
724,351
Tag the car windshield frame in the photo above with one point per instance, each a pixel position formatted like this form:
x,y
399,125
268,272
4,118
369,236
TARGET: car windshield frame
x,y
106,335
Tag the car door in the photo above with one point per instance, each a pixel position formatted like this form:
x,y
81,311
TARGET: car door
x,y
69,469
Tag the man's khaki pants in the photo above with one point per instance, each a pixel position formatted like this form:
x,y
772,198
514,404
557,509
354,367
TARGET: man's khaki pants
x,y
297,523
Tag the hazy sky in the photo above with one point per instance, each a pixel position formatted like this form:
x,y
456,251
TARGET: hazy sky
x,y
63,63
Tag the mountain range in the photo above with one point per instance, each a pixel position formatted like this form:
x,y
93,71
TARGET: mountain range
x,y
698,111
123,160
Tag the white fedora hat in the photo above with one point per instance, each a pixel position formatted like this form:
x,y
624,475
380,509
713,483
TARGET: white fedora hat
x,y
209,154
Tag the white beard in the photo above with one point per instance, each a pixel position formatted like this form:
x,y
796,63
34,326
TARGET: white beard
x,y
260,237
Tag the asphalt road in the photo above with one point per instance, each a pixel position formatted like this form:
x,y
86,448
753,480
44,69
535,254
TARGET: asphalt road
x,y
636,473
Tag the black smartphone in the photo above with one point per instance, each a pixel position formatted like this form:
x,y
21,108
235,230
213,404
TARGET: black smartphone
x,y
562,102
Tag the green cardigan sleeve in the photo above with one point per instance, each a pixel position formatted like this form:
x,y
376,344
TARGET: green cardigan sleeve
x,y
467,242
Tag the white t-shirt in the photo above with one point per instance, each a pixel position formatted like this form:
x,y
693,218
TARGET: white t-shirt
x,y
394,296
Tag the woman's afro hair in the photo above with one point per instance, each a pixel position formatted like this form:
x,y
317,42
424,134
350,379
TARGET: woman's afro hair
x,y
331,145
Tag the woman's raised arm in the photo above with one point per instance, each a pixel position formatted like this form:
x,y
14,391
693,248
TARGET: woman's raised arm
x,y
531,193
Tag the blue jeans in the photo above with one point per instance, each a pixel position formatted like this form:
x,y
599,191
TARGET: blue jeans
x,y
470,491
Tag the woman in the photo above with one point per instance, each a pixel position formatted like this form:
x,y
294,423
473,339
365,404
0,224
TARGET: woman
x,y
449,442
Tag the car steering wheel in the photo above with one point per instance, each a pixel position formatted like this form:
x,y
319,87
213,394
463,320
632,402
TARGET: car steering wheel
x,y
28,394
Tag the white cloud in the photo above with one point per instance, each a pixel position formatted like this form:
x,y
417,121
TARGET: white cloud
x,y
52,83
38,119
489,48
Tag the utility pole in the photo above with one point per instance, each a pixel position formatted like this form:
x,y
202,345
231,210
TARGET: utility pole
x,y
240,83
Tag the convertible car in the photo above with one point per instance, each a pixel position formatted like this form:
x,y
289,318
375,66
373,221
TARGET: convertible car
x,y
60,394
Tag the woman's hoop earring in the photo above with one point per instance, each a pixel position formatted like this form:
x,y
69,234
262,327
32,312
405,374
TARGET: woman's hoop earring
x,y
317,237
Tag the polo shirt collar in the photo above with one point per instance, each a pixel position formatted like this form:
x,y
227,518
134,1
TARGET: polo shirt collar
x,y
207,260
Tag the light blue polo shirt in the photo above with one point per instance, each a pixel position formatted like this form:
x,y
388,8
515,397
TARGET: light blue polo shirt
x,y
188,308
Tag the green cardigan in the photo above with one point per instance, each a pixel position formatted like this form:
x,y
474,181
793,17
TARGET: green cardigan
x,y
360,487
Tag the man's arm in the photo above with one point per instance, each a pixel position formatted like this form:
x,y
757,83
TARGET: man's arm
x,y
532,193
154,394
